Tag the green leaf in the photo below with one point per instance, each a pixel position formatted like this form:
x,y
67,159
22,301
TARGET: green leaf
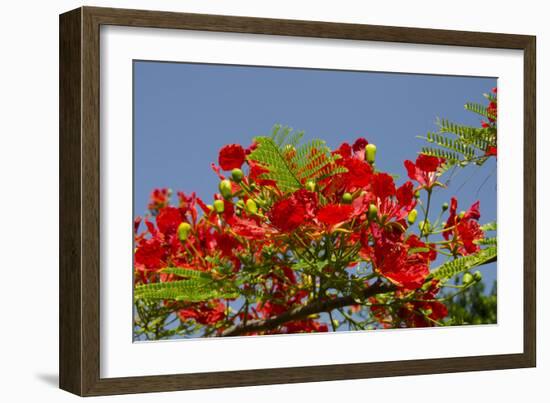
x,y
418,250
186,272
453,267
490,226
184,290
486,241
291,165
479,109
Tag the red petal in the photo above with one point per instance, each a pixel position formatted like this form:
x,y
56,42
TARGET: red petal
x,y
360,144
231,156
427,163
383,186
333,214
168,220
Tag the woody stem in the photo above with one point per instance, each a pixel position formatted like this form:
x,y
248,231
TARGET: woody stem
x,y
301,312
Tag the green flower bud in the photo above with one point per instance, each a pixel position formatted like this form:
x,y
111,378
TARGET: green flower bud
x,y
225,189
370,151
183,231
461,215
417,194
311,186
237,175
467,278
373,212
411,218
445,206
251,206
425,227
219,206
347,198
478,276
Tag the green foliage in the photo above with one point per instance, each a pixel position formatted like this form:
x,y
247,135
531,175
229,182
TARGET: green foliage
x,y
479,109
487,241
189,273
291,165
490,226
453,267
462,144
198,288
473,307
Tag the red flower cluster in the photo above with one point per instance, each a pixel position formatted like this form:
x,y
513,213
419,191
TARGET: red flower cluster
x,y
287,249
463,229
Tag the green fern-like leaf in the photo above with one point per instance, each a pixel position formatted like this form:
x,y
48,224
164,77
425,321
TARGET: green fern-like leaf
x,y
451,157
490,226
194,290
491,97
457,146
189,273
462,144
269,155
290,165
452,268
479,109
479,138
487,241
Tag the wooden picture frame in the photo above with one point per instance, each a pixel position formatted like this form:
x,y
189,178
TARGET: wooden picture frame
x,y
80,199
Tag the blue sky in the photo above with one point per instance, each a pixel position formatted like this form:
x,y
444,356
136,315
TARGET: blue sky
x,y
183,114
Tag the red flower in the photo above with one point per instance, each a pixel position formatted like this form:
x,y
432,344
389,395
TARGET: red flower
x,y
305,326
383,186
203,313
168,220
415,243
359,174
393,261
359,148
469,231
464,230
343,151
333,214
297,209
226,243
308,200
287,215
231,156
492,109
491,151
247,228
159,198
149,255
405,196
424,312
360,144
424,171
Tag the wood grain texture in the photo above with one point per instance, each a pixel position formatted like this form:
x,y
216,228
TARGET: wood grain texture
x,y
80,196
70,273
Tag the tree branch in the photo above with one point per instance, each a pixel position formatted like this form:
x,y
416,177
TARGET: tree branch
x,y
303,311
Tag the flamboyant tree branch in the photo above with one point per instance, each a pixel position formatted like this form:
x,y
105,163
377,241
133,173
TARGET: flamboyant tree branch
x,y
304,311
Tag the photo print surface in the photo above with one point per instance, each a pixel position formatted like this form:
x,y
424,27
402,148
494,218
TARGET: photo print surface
x,y
272,200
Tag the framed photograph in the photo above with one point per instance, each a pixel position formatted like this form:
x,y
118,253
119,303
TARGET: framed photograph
x,y
249,201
